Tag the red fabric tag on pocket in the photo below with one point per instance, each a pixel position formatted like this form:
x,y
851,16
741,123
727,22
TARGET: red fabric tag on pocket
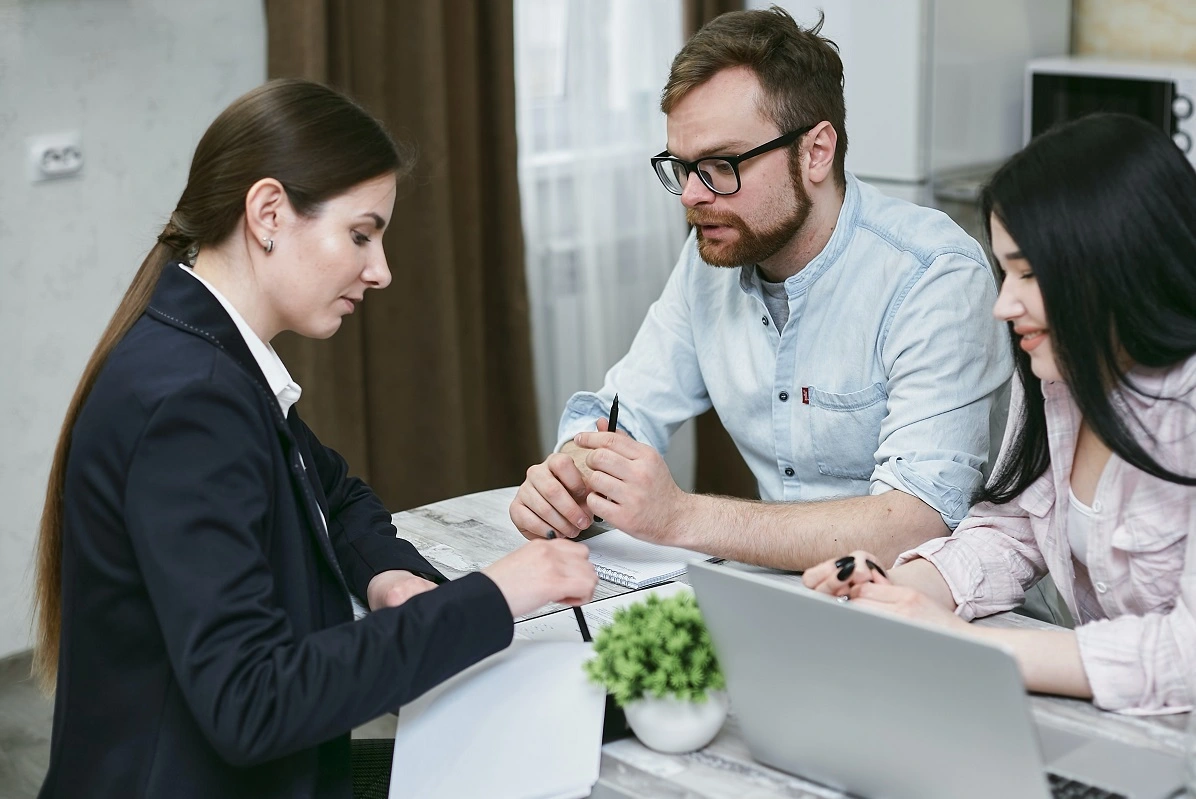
x,y
805,395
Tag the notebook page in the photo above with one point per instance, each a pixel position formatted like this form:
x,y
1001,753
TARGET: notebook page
x,y
641,562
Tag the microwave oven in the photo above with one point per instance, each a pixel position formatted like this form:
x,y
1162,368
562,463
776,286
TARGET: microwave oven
x,y
1062,89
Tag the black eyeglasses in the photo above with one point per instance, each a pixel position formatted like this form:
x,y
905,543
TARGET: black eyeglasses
x,y
719,173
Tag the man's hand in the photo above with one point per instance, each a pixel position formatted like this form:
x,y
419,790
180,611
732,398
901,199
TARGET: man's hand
x,y
390,589
631,486
553,497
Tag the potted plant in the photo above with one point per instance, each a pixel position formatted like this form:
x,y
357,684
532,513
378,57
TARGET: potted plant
x,y
657,661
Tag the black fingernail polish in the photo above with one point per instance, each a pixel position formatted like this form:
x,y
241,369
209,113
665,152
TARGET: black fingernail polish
x,y
846,571
843,561
876,568
551,534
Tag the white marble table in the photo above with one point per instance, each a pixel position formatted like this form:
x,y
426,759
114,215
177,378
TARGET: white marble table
x,y
466,533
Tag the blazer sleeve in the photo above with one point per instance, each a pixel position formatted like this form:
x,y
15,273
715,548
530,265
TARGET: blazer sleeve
x,y
197,512
359,526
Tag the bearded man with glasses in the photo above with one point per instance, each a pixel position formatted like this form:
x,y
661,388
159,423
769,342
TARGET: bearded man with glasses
x,y
843,337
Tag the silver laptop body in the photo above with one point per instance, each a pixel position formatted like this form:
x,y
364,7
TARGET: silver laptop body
x,y
888,709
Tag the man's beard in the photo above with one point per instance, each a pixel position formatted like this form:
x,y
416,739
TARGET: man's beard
x,y
752,246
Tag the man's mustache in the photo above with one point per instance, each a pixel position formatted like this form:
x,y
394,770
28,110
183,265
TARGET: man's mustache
x,y
727,220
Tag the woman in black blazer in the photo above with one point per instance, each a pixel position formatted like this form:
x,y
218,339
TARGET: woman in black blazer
x,y
200,548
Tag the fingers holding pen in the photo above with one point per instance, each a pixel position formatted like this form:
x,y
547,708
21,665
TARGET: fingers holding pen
x,y
552,496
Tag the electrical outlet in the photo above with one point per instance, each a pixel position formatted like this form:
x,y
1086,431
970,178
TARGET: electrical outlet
x,y
55,155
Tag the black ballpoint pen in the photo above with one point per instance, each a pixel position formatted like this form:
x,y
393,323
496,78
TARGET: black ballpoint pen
x,y
612,422
581,619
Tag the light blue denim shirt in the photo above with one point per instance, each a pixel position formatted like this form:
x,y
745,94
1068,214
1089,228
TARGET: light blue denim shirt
x,y
891,372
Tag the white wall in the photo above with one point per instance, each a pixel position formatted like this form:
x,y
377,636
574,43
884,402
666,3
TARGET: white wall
x,y
140,80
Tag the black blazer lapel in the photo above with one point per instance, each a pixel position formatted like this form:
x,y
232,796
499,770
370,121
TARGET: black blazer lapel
x,y
313,479
183,302
310,494
313,491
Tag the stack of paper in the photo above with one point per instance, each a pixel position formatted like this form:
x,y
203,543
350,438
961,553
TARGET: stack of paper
x,y
522,723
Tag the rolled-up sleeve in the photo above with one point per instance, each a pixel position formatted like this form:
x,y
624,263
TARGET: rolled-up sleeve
x,y
659,381
989,562
1138,665
1143,665
949,364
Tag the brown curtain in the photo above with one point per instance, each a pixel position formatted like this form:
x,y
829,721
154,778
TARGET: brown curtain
x,y
720,468
698,12
427,390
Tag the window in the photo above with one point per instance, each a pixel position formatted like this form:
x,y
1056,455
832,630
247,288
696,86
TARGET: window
x,y
601,233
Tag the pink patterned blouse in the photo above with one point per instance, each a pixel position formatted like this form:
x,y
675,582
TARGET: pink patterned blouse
x,y
1135,602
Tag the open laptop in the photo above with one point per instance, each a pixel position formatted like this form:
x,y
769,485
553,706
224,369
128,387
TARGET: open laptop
x,y
883,708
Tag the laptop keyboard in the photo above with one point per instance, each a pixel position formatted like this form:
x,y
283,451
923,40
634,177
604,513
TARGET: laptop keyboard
x,y
1063,788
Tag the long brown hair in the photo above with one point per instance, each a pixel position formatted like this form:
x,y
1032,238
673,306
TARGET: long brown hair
x,y
800,71
318,144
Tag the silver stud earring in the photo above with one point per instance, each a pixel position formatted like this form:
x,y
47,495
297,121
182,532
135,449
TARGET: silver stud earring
x,y
269,244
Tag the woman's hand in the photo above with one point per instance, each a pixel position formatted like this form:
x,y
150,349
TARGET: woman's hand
x,y
858,578
392,588
544,571
839,577
906,602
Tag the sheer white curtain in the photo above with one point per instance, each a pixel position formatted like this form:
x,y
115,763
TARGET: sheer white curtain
x,y
600,231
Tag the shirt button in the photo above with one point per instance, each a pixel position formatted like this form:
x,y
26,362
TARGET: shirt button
x,y
764,321
788,471
784,396
1101,588
1096,506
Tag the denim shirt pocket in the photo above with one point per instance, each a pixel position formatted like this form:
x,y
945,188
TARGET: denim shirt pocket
x,y
845,430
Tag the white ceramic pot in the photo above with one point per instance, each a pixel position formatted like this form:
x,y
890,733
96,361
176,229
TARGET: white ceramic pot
x,y
672,726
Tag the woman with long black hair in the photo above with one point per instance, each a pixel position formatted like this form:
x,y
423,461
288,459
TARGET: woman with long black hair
x,y
1093,228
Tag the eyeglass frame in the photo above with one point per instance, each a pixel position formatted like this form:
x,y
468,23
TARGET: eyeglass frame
x,y
734,160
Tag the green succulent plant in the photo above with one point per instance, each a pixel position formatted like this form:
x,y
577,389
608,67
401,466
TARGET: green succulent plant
x,y
657,647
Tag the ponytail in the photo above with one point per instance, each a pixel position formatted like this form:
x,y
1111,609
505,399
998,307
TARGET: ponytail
x,y
47,597
318,144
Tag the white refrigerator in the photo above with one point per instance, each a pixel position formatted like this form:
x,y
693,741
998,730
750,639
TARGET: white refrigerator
x,y
934,87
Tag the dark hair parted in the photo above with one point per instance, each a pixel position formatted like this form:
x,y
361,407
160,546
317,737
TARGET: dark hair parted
x,y
800,71
1104,211
314,141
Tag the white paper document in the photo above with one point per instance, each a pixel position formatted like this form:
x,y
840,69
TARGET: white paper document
x,y
524,723
561,625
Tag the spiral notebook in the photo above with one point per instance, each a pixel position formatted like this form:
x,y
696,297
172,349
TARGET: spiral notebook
x,y
625,560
